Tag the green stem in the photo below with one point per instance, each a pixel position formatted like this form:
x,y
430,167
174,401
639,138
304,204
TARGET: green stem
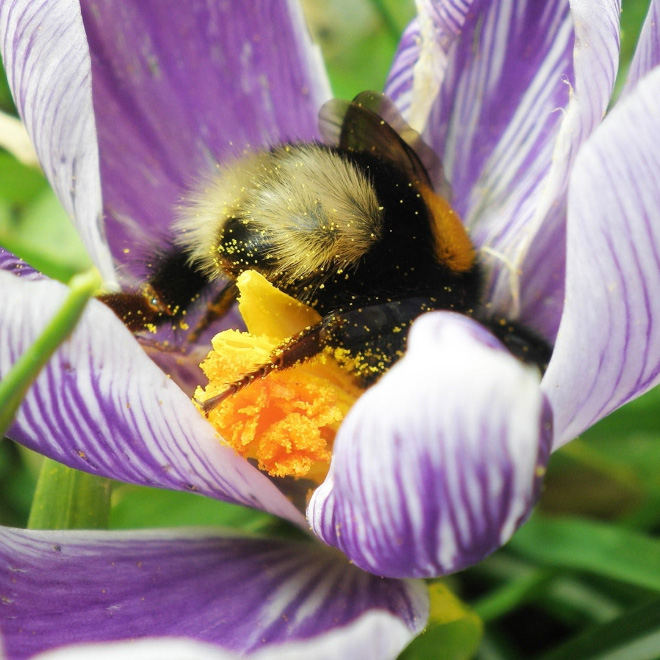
x,y
16,383
69,499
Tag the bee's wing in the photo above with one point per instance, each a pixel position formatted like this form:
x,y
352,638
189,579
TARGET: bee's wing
x,y
372,123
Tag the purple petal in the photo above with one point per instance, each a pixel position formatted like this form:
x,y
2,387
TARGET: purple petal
x,y
647,53
437,464
241,593
11,263
102,406
608,346
47,62
595,60
174,90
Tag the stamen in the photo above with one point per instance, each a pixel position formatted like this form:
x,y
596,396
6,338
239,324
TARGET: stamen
x,y
285,419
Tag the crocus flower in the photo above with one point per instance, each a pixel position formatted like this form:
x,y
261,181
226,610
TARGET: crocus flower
x,y
438,463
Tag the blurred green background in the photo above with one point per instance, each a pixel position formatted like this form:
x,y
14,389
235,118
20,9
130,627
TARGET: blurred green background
x,y
580,580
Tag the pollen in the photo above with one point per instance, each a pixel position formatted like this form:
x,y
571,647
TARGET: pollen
x,y
287,421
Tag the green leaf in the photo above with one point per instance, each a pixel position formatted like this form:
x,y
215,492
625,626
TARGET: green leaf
x,y
6,101
633,636
512,594
632,18
604,549
613,470
358,39
68,499
17,485
454,631
391,20
136,507
570,597
43,236
638,416
19,184
627,442
23,373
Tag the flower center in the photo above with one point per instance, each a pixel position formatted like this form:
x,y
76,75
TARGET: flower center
x,y
287,421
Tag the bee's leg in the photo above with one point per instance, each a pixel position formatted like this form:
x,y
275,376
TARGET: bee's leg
x,y
296,349
174,284
218,306
138,310
374,337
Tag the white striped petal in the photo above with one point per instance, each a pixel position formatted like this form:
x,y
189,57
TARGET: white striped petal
x,y
608,346
44,50
494,119
102,406
540,255
422,57
438,463
507,119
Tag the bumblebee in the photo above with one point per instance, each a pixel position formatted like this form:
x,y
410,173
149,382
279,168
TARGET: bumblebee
x,y
352,227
